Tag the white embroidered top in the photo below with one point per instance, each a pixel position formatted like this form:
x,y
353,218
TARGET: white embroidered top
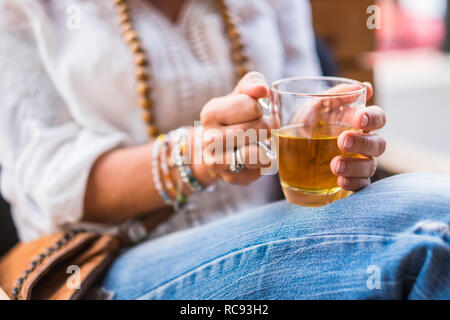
x,y
67,93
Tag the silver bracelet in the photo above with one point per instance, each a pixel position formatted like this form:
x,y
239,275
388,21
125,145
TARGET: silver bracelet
x,y
178,152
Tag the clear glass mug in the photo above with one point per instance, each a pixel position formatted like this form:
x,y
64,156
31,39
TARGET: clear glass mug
x,y
312,113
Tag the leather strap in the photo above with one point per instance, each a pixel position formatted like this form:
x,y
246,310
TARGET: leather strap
x,y
136,230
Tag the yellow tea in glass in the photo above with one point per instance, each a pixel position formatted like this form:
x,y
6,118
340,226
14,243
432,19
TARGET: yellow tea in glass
x,y
313,113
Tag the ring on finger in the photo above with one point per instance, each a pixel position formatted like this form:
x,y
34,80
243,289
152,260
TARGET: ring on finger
x,y
237,164
239,157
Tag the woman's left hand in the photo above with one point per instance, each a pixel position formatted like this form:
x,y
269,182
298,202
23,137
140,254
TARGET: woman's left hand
x,y
354,173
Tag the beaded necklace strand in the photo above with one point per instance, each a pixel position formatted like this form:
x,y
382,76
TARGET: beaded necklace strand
x,y
142,62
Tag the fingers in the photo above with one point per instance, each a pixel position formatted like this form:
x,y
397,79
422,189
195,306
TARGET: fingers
x,y
325,108
231,109
241,105
369,119
327,104
255,157
252,156
343,88
353,184
353,167
253,84
353,173
230,137
253,131
244,178
219,163
370,145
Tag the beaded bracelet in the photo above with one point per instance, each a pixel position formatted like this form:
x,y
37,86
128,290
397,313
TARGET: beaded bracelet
x,y
179,198
155,170
160,148
178,152
164,167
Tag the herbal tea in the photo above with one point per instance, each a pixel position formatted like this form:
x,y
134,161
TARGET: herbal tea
x,y
304,157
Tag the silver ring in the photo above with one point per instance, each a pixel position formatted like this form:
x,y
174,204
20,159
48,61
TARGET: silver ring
x,y
237,164
239,158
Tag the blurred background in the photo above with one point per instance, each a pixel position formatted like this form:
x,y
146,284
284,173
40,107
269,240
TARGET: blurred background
x,y
408,61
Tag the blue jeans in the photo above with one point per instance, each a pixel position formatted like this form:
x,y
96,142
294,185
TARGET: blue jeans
x,y
388,241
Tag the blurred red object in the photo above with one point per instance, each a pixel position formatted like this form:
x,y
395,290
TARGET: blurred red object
x,y
402,29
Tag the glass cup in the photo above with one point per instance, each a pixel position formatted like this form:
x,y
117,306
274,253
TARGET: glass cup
x,y
312,113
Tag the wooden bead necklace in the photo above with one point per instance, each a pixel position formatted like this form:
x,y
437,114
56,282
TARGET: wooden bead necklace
x,y
142,63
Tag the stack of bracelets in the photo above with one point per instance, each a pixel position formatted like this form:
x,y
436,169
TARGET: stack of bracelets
x,y
172,192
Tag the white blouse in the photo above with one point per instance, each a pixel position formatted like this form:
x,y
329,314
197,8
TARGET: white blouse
x,y
67,94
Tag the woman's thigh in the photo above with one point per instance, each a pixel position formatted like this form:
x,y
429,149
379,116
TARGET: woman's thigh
x,y
390,240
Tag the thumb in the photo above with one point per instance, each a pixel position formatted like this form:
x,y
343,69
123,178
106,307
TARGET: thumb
x,y
253,84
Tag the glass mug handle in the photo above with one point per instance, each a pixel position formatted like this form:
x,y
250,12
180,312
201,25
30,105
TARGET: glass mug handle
x,y
266,105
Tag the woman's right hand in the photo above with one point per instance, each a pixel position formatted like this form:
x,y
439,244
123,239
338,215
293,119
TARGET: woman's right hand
x,y
236,115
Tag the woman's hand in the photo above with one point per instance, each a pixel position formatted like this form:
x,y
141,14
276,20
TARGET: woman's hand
x,y
354,173
225,118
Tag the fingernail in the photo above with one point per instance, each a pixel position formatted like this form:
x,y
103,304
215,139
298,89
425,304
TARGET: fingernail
x,y
365,121
340,167
348,142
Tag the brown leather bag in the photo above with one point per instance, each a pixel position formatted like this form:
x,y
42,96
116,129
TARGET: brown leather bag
x,y
43,269
39,269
